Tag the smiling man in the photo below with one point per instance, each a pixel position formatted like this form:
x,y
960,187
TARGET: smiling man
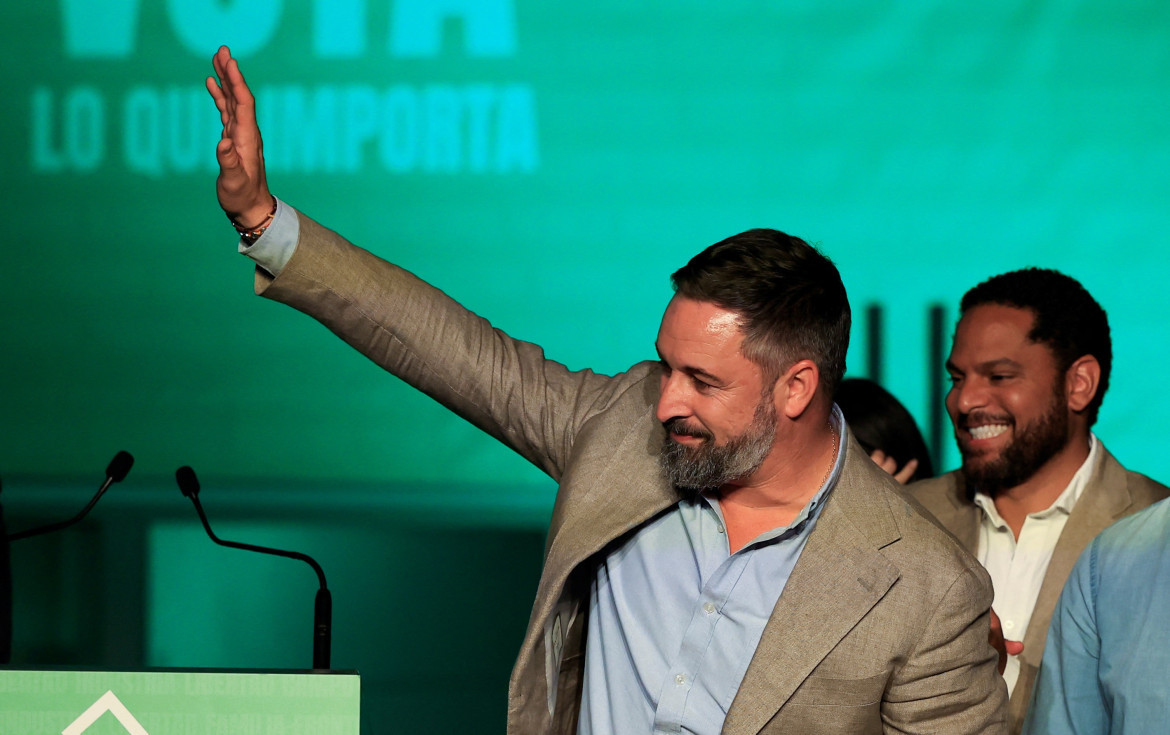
x,y
1029,368
722,555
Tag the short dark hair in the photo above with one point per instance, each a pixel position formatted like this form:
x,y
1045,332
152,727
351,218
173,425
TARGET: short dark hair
x,y
1067,318
789,295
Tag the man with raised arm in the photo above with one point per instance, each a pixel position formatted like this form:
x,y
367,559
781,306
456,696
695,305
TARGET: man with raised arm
x,y
1029,368
722,556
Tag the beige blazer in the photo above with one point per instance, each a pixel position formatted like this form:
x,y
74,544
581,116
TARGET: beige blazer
x,y
882,626
1112,493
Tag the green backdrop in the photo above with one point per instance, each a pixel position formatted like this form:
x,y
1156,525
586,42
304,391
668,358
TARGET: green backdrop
x,y
548,164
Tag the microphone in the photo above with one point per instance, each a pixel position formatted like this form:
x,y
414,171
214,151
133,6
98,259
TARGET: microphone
x,y
323,605
115,472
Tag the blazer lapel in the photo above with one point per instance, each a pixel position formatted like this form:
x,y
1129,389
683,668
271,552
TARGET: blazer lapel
x,y
964,516
606,497
1106,498
628,490
839,578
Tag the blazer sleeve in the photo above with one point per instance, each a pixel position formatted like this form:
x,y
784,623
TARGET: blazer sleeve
x,y
949,682
502,385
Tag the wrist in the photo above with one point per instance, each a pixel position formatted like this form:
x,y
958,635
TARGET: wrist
x,y
261,216
255,215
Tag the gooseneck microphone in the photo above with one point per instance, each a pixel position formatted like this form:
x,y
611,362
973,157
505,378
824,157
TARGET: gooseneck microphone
x,y
323,606
115,472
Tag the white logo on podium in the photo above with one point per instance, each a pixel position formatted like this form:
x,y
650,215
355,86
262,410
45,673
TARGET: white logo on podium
x,y
106,703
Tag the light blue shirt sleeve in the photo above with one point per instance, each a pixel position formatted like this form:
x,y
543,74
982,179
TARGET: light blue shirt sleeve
x,y
1108,650
275,247
1069,699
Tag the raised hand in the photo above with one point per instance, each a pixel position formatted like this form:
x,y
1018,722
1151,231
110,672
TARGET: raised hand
x,y
242,186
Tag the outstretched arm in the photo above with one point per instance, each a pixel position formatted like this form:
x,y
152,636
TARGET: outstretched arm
x,y
241,187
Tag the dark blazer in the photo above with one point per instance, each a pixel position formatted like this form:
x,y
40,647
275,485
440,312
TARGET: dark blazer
x,y
882,626
1111,493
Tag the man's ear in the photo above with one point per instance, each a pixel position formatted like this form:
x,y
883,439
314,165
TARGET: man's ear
x,y
1081,380
796,388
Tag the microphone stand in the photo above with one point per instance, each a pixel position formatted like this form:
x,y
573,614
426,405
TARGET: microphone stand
x,y
115,472
323,604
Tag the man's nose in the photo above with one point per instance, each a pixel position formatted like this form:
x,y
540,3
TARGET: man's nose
x,y
672,401
969,395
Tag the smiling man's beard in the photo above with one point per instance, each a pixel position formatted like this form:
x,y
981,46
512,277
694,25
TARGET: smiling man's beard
x,y
708,466
1031,448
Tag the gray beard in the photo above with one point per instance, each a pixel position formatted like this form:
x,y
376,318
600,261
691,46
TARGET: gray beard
x,y
695,470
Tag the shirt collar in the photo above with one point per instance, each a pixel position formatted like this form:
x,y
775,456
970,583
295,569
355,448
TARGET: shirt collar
x,y
1064,502
813,509
804,521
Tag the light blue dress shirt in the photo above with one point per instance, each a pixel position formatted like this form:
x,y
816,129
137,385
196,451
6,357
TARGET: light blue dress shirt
x,y
674,617
1106,666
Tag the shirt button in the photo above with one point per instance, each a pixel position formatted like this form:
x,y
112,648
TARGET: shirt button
x,y
680,679
720,529
1008,625
708,608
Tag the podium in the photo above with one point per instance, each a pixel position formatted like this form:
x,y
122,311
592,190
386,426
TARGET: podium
x,y
179,702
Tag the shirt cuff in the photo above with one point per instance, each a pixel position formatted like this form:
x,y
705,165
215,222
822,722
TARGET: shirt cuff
x,y
275,247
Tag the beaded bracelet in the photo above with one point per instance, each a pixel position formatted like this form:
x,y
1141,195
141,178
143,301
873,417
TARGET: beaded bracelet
x,y
252,234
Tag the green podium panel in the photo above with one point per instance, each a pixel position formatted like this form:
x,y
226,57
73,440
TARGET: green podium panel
x,y
179,702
